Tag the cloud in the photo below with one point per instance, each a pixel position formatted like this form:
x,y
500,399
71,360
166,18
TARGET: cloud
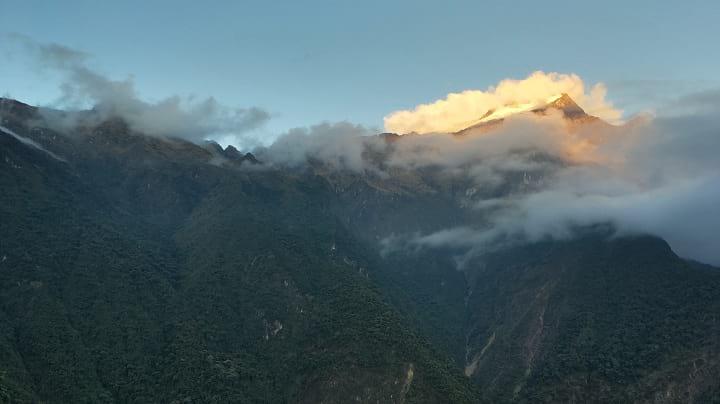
x,y
535,177
684,213
523,143
459,110
339,144
522,132
175,116
660,177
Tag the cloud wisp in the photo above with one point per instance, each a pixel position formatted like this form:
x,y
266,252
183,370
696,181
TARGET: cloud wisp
x,y
175,116
341,145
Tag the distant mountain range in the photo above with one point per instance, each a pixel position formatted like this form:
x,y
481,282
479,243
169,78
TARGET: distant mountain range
x,y
142,269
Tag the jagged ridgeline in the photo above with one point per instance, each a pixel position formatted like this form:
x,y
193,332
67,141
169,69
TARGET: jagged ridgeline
x,y
144,269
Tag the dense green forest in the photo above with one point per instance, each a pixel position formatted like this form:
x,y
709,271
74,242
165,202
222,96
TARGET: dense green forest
x,y
132,270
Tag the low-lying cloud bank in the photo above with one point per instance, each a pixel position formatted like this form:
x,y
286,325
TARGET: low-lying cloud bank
x,y
339,144
654,175
459,110
175,116
660,177
685,213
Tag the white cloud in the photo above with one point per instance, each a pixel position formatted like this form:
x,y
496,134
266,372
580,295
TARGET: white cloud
x,y
174,116
661,177
459,110
338,144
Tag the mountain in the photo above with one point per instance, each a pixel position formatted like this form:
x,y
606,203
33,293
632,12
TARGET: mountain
x,y
566,105
136,271
142,269
563,103
594,320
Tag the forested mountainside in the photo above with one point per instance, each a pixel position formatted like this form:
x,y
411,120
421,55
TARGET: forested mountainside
x,y
141,269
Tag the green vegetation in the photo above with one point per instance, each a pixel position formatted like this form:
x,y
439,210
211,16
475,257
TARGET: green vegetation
x,y
123,282
137,272
594,319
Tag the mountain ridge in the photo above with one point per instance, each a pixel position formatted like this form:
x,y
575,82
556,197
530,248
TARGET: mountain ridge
x,y
141,271
570,110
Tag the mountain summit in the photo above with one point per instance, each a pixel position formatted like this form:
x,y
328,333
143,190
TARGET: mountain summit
x,y
564,103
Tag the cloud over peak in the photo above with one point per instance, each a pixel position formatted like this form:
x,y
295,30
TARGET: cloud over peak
x,y
460,110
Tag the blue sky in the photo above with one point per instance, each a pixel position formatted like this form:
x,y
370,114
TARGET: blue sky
x,y
312,61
